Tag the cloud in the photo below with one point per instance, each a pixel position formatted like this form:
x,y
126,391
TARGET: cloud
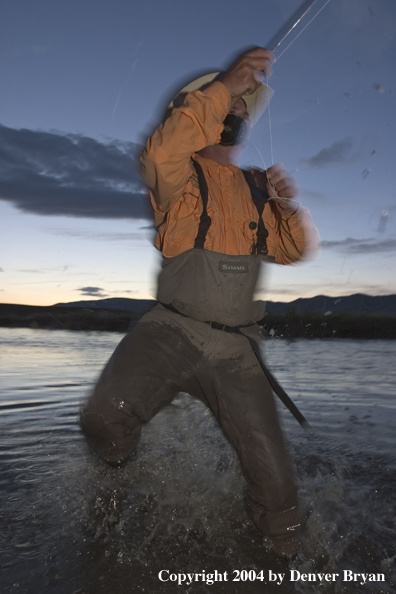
x,y
98,235
339,153
51,173
45,270
355,247
92,292
292,290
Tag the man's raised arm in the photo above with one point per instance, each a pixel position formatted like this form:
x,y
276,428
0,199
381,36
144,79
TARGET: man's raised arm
x,y
166,162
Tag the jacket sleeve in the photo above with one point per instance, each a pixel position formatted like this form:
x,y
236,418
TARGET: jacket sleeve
x,y
166,162
291,238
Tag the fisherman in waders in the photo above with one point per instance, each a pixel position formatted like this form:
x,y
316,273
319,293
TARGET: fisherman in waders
x,y
215,229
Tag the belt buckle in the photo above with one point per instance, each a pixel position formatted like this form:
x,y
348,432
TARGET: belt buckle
x,y
218,326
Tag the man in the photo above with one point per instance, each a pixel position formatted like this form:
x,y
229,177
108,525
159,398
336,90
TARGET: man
x,y
214,233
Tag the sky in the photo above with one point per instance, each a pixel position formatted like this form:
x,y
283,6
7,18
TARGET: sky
x,y
82,84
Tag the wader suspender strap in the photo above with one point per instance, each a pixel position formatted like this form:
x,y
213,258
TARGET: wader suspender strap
x,y
260,199
205,220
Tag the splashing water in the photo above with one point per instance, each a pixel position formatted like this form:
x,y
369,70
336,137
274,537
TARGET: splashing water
x,y
70,524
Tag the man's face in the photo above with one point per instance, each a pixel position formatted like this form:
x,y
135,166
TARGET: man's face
x,y
240,110
237,129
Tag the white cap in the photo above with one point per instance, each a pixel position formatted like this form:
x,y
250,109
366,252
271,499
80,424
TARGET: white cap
x,y
256,103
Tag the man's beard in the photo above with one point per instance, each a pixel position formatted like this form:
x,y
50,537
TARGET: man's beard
x,y
235,131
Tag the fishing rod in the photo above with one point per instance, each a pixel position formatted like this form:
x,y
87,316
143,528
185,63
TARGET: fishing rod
x,y
290,24
280,37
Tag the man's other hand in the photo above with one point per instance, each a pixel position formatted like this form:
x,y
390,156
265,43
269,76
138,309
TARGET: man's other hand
x,y
281,185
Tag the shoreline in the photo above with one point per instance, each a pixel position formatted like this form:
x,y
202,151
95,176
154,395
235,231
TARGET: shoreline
x,y
288,326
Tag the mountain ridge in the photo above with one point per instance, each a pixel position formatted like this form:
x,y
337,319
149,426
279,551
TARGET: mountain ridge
x,y
355,304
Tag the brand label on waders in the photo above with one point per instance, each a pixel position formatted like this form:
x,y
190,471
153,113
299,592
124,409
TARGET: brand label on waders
x,y
234,267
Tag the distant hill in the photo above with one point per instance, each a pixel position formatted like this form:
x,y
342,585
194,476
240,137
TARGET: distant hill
x,y
352,304
139,306
355,316
357,304
65,318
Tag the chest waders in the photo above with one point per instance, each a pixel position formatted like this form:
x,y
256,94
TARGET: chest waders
x,y
204,285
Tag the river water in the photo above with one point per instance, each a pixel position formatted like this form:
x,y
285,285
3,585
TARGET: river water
x,y
70,525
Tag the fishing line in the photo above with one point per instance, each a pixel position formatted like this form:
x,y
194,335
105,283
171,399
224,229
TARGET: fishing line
x,y
270,127
261,156
274,194
266,81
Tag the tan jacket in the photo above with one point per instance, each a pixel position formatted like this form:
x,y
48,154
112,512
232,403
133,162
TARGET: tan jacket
x,y
168,170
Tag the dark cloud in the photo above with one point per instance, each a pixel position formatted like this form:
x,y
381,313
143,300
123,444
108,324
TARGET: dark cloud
x,y
361,246
50,173
338,153
92,292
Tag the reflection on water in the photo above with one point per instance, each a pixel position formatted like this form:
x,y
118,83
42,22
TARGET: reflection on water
x,y
68,524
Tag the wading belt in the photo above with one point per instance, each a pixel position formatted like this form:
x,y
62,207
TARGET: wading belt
x,y
259,198
277,388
